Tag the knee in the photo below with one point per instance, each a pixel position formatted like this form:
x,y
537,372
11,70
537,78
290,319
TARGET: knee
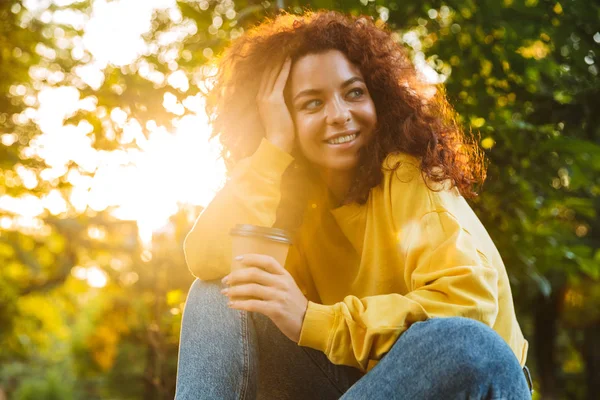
x,y
467,339
202,290
205,300
473,350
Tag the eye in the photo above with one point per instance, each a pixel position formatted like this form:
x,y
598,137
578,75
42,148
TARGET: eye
x,y
309,103
359,92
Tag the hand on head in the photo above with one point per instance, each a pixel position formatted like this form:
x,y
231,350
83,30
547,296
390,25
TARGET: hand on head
x,y
274,114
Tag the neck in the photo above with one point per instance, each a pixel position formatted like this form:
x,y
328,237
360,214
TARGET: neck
x,y
339,184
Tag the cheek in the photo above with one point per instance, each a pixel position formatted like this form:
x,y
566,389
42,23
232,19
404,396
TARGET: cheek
x,y
306,127
368,113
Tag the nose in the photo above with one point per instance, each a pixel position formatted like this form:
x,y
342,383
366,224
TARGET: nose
x,y
338,112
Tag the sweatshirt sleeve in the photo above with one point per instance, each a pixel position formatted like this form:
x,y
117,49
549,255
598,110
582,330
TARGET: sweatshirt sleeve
x,y
446,276
250,196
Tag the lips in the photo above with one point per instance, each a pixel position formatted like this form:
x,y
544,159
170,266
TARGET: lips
x,y
343,140
341,134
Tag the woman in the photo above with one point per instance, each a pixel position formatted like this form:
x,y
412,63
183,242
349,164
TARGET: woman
x,y
393,289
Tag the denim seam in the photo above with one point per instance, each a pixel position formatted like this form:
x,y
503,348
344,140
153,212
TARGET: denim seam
x,y
246,364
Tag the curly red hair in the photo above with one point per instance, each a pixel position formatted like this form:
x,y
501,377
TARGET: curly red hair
x,y
412,117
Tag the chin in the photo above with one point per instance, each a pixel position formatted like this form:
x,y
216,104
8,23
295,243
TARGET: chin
x,y
341,167
335,165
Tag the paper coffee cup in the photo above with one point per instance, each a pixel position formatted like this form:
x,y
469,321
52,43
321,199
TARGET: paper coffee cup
x,y
253,239
259,240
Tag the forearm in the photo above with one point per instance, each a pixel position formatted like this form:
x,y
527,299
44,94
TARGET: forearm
x,y
251,196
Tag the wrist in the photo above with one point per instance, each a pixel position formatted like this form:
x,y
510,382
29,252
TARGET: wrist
x,y
284,145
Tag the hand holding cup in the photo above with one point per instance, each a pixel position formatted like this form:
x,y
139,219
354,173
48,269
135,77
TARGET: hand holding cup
x,y
259,281
266,287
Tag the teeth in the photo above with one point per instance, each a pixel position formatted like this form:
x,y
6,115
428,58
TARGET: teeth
x,y
343,139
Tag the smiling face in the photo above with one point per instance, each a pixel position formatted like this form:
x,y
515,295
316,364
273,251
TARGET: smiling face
x,y
332,109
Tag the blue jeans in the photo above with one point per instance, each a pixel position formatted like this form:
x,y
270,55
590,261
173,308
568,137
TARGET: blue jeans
x,y
234,354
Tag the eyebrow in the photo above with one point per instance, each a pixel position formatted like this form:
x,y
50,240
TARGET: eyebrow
x,y
316,91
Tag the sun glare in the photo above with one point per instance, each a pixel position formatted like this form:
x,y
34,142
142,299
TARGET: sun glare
x,y
113,34
93,275
146,183
172,169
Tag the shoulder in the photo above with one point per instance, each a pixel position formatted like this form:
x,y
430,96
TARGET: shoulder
x,y
408,191
402,177
405,166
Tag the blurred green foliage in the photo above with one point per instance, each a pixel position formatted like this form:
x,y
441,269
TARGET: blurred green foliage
x,y
523,75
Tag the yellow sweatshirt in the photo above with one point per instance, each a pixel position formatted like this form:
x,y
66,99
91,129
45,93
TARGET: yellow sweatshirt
x,y
369,271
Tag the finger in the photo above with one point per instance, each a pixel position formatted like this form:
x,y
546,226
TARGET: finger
x,y
283,75
273,77
264,262
252,290
253,275
263,82
264,307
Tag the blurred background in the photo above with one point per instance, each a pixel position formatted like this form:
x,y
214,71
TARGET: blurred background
x,y
105,161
